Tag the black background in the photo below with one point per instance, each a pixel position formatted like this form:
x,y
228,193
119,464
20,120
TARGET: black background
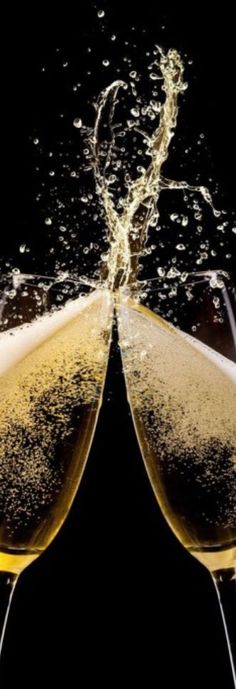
x,y
115,598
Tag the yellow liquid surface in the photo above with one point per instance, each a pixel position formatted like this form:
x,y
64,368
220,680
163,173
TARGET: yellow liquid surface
x,y
184,410
52,376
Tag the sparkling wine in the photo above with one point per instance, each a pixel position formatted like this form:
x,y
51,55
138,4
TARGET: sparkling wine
x,y
183,401
52,376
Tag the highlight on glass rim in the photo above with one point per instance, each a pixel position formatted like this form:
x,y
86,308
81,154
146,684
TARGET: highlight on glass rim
x,y
116,272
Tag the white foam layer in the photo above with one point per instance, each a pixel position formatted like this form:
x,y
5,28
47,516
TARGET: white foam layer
x,y
16,343
227,366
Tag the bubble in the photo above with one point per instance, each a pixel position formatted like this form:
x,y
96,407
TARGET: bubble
x,y
52,173
105,63
173,273
22,248
11,293
36,142
216,302
101,13
48,221
77,122
154,219
180,247
135,112
113,37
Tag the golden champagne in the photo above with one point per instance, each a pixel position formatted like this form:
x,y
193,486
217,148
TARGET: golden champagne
x,y
52,376
183,401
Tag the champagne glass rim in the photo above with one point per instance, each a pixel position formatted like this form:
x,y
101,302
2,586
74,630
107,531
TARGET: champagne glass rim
x,y
19,278
215,278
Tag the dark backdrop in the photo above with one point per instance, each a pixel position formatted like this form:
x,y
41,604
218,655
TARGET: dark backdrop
x,y
115,598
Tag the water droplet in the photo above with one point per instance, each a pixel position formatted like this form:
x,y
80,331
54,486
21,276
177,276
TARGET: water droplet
x,y
155,105
11,293
135,112
65,64
216,302
77,122
183,277
173,273
22,248
141,169
48,221
234,230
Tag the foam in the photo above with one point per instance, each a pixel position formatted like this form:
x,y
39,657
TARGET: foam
x,y
18,342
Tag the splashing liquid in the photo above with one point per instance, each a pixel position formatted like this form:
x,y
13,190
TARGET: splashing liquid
x,y
127,229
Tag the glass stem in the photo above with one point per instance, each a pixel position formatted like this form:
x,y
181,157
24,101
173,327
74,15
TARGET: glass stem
x,y
225,584
7,585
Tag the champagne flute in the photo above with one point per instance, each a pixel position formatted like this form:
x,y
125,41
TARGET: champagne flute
x,y
54,346
178,345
